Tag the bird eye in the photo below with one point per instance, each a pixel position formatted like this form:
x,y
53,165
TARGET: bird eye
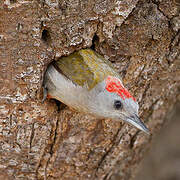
x,y
117,104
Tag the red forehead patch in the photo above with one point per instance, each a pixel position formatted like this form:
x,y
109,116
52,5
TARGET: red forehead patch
x,y
114,85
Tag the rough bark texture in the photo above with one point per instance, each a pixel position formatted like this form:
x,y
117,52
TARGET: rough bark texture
x,y
39,141
163,160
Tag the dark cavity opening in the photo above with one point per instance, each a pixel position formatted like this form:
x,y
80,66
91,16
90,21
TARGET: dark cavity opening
x,y
95,41
46,36
60,105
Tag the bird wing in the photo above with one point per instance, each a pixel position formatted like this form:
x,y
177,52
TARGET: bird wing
x,y
85,68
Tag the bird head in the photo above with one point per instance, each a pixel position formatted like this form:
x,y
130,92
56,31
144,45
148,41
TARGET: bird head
x,y
114,101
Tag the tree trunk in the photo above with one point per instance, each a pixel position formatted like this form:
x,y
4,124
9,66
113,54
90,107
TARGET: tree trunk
x,y
42,140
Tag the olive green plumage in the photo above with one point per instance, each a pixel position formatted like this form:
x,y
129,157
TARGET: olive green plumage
x,y
85,68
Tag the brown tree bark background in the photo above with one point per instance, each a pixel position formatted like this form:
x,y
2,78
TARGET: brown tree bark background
x,y
39,141
163,160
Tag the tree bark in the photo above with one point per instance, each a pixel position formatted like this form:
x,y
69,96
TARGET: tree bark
x,y
42,140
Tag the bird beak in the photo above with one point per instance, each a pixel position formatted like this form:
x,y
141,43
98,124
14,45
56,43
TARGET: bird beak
x,y
134,120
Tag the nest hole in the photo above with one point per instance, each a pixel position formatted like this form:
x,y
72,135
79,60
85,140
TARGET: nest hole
x,y
46,36
95,42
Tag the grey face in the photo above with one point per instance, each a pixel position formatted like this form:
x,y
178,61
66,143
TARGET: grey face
x,y
111,105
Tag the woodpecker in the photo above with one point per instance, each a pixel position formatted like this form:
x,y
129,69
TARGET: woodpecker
x,y
87,82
